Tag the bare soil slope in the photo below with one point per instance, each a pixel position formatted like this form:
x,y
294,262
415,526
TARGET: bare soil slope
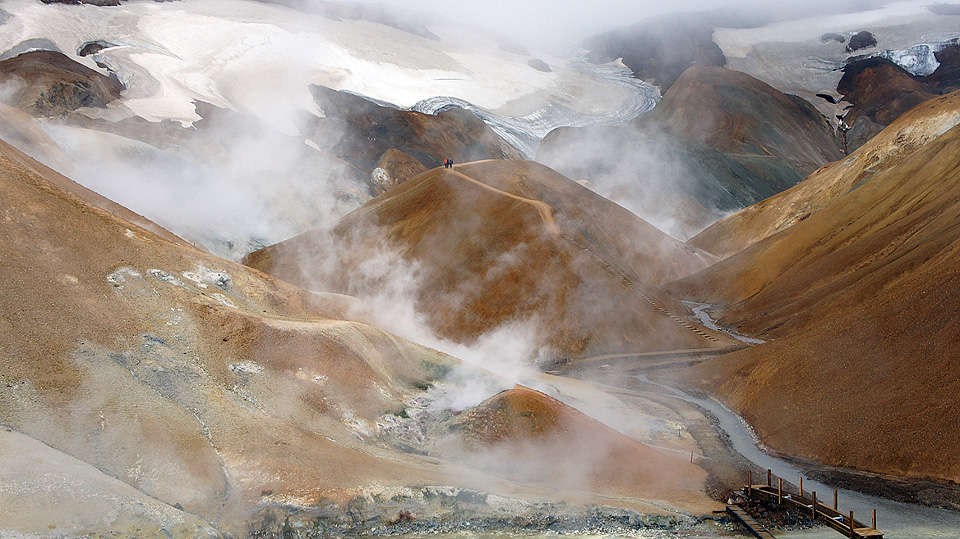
x,y
860,301
498,241
828,184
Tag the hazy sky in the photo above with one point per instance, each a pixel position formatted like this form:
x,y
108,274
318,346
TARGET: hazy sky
x,y
551,18
568,21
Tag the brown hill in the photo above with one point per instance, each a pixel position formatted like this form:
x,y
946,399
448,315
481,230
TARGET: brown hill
x,y
499,241
859,301
361,131
880,92
735,113
718,141
49,83
828,184
531,436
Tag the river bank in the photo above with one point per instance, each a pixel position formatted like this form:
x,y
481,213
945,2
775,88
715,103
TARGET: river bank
x,y
449,511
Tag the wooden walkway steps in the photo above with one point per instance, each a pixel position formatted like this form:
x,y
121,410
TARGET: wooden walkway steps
x,y
808,505
749,522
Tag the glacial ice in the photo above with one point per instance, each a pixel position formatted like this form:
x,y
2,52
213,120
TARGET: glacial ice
x,y
919,60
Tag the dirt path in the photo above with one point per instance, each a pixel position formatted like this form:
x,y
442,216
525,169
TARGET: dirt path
x,y
545,210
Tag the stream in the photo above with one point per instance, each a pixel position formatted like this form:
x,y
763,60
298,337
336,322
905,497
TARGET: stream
x,y
897,520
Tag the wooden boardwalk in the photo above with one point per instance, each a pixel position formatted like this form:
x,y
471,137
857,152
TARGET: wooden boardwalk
x,y
808,504
749,522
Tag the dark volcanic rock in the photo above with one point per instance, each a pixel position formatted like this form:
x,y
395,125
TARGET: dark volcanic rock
x,y
861,40
49,83
360,131
880,92
539,65
93,47
660,49
946,78
832,36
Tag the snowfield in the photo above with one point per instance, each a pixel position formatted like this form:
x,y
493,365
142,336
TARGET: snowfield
x,y
260,58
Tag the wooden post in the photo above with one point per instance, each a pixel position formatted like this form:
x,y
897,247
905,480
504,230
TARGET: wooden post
x,y
834,499
769,480
749,483
874,519
814,506
779,491
852,534
801,486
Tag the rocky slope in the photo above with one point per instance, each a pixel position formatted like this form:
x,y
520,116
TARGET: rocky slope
x,y
717,142
857,298
498,242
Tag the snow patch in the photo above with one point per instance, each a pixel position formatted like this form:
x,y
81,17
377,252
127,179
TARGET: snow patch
x,y
204,278
121,276
166,277
248,367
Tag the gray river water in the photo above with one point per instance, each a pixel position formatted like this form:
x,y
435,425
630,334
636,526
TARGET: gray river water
x,y
897,520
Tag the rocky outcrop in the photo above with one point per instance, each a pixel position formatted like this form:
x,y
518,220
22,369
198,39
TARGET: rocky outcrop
x,y
660,49
946,78
832,36
49,83
539,65
861,40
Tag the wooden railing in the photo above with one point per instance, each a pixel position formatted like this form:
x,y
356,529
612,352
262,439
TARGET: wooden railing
x,y
801,502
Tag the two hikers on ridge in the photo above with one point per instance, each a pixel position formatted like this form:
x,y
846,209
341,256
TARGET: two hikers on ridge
x,y
448,163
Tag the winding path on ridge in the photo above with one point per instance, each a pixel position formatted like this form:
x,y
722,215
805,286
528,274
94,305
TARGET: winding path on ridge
x,y
545,210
